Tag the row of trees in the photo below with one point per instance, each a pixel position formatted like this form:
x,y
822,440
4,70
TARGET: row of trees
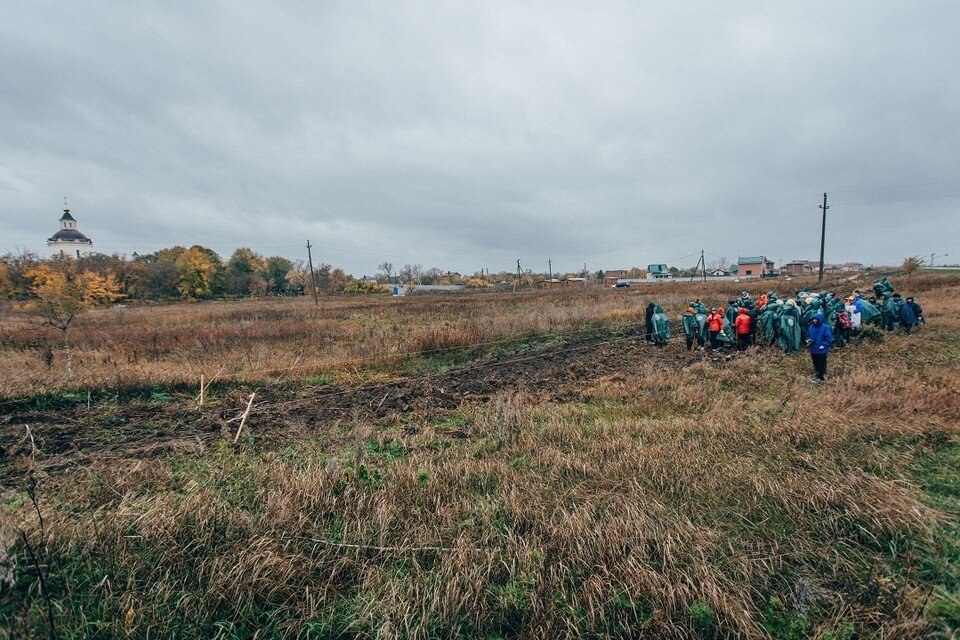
x,y
415,274
198,273
179,272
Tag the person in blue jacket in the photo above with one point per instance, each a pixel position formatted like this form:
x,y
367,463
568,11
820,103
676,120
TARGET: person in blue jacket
x,y
819,339
908,316
857,301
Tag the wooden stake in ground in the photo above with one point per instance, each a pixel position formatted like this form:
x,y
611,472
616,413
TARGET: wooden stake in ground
x,y
201,389
243,420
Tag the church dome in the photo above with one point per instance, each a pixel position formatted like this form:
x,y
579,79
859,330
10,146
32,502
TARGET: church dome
x,y
69,241
69,235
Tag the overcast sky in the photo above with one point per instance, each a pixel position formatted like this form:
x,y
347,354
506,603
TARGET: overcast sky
x,y
468,135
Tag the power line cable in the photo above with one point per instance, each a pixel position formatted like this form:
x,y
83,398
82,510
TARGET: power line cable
x,y
903,186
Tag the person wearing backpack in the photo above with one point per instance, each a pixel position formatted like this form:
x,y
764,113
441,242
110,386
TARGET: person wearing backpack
x,y
844,327
819,340
853,310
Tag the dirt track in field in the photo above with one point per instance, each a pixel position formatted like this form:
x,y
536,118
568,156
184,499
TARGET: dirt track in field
x,y
67,439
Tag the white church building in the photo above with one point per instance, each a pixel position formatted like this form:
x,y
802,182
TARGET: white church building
x,y
69,242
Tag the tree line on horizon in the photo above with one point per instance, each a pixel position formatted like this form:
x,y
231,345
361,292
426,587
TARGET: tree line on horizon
x,y
193,273
200,273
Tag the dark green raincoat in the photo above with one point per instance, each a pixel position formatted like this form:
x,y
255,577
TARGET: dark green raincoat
x,y
789,330
661,325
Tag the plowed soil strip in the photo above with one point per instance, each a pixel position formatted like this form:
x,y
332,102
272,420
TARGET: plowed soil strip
x,y
67,438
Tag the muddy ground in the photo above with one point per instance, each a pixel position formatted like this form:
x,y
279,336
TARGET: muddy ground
x,y
65,439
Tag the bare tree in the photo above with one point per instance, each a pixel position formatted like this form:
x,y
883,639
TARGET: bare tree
x,y
411,273
719,263
386,268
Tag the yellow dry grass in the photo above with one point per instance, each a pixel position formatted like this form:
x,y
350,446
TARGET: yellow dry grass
x,y
703,502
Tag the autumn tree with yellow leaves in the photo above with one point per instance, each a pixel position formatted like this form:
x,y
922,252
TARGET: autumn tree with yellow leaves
x,y
59,296
195,271
6,285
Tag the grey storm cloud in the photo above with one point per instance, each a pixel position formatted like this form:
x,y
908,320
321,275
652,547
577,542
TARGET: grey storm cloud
x,y
469,135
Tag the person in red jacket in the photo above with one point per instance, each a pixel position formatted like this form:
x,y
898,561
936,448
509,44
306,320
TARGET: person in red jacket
x,y
714,327
742,327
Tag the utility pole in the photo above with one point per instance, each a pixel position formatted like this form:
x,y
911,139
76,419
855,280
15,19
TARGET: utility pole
x,y
550,267
517,281
313,278
934,256
823,234
696,267
703,262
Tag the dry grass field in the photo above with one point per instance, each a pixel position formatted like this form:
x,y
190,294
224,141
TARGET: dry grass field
x,y
261,339
153,345
486,466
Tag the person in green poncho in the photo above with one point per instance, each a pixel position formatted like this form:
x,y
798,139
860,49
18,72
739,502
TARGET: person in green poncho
x,y
768,320
727,335
702,326
774,330
732,311
869,313
811,307
691,329
882,289
891,311
789,333
661,326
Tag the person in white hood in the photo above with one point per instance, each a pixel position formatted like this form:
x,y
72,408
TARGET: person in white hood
x,y
854,313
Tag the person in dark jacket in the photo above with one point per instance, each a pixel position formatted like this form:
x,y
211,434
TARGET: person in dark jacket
x,y
917,309
819,340
651,309
908,316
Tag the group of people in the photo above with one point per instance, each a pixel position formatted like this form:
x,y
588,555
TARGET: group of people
x,y
822,320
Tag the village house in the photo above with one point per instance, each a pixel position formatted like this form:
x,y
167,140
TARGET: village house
x,y
657,272
754,267
800,267
848,267
612,276
552,283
